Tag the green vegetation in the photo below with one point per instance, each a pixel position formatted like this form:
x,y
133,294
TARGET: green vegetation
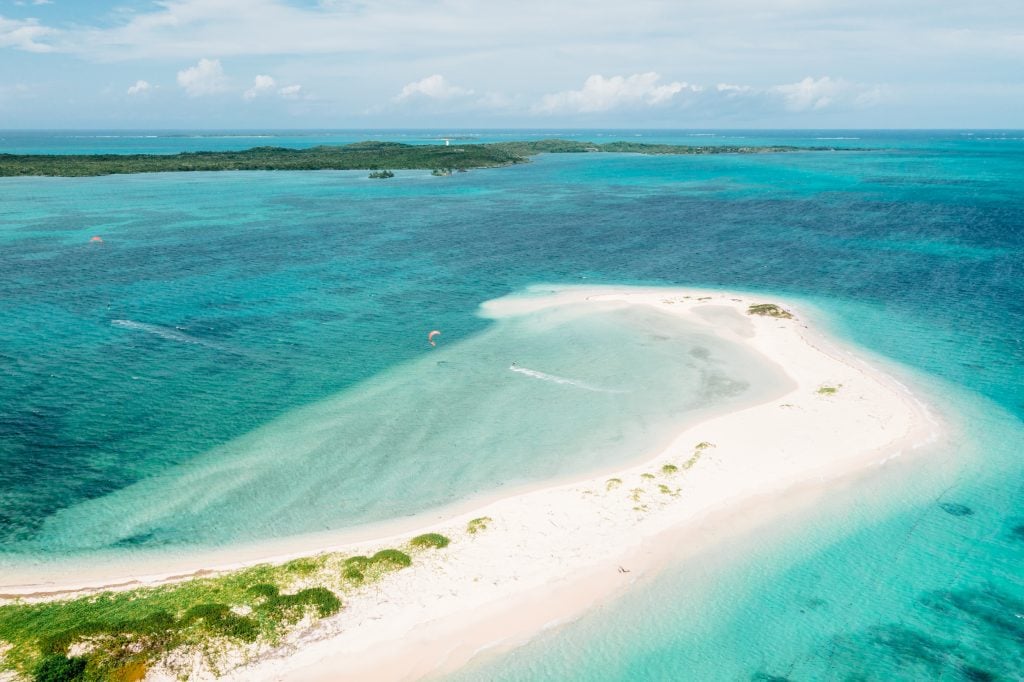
x,y
435,540
121,635
381,175
478,524
441,172
57,668
646,475
668,491
373,156
612,483
829,390
353,574
769,310
698,451
392,556
635,493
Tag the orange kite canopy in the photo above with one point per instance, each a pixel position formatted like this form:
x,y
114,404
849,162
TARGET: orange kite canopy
x,y
431,335
97,240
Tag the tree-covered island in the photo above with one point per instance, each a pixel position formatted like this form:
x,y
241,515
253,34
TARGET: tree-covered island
x,y
373,156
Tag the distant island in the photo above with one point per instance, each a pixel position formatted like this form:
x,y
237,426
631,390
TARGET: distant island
x,y
373,156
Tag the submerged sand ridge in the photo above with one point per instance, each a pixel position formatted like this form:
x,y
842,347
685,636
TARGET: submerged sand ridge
x,y
548,554
537,397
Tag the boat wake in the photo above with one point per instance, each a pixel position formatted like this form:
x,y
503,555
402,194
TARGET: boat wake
x,y
169,334
562,380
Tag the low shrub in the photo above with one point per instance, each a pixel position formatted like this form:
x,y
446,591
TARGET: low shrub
x,y
769,310
435,540
353,574
392,556
358,561
478,524
59,668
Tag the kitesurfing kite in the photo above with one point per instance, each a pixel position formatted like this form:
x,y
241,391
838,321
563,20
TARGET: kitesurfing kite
x,y
431,335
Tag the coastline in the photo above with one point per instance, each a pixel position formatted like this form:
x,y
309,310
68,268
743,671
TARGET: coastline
x,y
554,550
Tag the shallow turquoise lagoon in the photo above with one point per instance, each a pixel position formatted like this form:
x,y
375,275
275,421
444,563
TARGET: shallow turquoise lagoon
x,y
148,383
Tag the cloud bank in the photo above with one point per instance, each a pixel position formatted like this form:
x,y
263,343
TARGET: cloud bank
x,y
602,94
205,78
434,87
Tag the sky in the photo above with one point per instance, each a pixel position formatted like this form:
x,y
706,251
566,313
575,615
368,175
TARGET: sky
x,y
526,64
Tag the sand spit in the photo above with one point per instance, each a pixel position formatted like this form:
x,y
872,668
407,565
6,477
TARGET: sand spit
x,y
548,554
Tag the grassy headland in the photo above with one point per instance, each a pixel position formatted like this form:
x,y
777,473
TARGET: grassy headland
x,y
374,156
121,635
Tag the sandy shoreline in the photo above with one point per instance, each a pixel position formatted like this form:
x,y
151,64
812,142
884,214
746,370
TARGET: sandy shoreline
x,y
552,552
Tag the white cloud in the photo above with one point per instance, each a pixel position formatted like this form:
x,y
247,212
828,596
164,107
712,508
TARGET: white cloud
x,y
205,78
816,94
290,91
432,87
731,90
140,87
42,2
602,94
24,34
260,84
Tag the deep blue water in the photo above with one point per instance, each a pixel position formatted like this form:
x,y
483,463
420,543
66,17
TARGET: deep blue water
x,y
219,302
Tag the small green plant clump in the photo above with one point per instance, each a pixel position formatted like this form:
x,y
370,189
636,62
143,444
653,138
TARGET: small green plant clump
x,y
59,668
478,524
829,390
646,475
635,493
441,172
668,491
353,574
435,540
669,469
381,175
392,556
769,310
612,483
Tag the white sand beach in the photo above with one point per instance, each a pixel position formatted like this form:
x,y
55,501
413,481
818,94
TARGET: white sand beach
x,y
550,553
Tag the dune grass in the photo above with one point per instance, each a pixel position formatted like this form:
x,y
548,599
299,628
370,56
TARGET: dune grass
x,y
435,540
121,635
769,310
478,524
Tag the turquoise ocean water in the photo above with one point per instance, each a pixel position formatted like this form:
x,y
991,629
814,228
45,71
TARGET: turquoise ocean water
x,y
244,356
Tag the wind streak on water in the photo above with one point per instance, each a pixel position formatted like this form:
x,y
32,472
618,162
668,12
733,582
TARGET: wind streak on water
x,y
562,380
173,335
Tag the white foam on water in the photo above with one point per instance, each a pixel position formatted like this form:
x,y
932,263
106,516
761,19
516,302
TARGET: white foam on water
x,y
562,380
168,334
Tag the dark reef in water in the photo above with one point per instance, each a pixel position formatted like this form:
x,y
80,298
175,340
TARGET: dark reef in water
x,y
955,509
973,635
